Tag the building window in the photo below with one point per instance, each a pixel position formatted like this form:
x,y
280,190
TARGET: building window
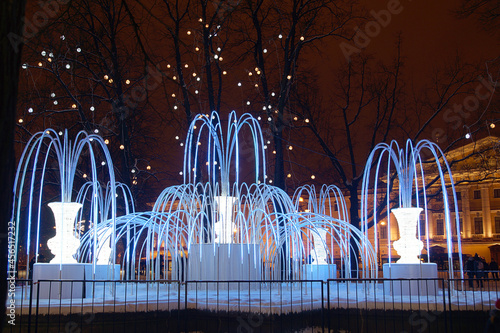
x,y
439,227
497,224
478,225
422,227
477,194
383,231
496,193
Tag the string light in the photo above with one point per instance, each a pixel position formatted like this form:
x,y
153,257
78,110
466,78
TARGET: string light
x,y
24,66
127,81
92,108
106,142
122,147
20,120
313,177
84,175
492,125
148,167
30,110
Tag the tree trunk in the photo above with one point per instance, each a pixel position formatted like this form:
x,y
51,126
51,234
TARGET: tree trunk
x,y
12,11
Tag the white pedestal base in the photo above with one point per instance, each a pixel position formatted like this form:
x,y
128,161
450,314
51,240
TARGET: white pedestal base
x,y
65,290
410,272
225,262
319,272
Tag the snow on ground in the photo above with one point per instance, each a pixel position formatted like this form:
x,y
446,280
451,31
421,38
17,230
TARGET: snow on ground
x,y
267,298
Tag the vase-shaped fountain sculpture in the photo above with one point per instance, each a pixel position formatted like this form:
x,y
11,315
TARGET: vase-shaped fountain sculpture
x,y
224,228
408,246
64,244
319,268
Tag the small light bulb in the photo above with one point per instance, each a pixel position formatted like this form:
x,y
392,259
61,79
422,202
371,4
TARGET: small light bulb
x,y
122,147
92,108
30,110
106,142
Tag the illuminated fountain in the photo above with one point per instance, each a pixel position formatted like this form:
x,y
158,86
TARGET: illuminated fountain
x,y
50,157
225,229
413,177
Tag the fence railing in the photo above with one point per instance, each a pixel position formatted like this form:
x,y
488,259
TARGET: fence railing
x,y
340,305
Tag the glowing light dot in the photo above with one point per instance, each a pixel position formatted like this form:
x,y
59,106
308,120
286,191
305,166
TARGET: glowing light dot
x,y
20,120
51,54
492,125
270,181
206,25
239,84
173,95
220,58
30,110
186,66
259,118
177,137
174,78
92,108
306,120
199,143
106,141
268,142
290,148
96,131
256,85
56,102
265,146
52,95
148,167
127,81
289,77
301,37
289,175
43,53
196,91
197,49
49,60
295,118
467,136
273,94
175,107
78,50
224,73
194,74
189,32
122,147
84,175
216,57
250,74
103,163
182,144
194,127
274,152
25,66
68,66
133,170
73,106
313,177
269,119
40,64
60,133
200,20
280,36
168,65
134,182
106,77
248,102
110,80
198,79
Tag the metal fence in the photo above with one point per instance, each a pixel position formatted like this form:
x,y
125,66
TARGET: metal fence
x,y
340,305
